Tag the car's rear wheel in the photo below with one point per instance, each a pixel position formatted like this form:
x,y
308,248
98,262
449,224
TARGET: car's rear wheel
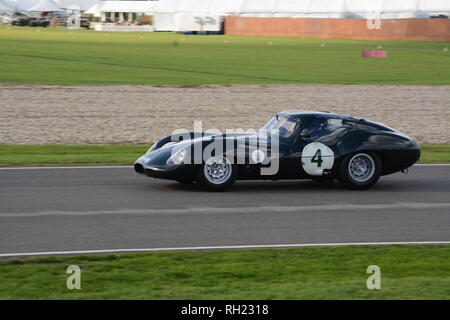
x,y
360,171
216,174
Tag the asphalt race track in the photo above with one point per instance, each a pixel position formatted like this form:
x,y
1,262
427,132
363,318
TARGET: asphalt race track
x,y
82,209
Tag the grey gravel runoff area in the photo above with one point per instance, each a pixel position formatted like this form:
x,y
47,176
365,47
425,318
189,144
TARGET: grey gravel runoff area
x,y
139,114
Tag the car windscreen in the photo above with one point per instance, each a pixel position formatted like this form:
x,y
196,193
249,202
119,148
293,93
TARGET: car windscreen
x,y
285,126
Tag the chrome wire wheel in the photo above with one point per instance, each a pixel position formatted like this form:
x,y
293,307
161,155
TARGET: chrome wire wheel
x,y
217,170
361,167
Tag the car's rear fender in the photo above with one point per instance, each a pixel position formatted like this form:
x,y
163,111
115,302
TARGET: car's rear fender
x,y
396,151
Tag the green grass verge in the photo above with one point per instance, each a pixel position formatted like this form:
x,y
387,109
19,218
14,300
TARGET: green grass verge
x,y
86,57
47,155
407,272
435,153
40,155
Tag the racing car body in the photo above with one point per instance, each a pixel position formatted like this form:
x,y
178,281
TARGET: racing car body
x,y
295,144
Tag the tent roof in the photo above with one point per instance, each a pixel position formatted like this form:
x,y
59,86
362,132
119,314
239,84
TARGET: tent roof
x,y
226,6
122,6
76,4
200,6
434,5
19,4
5,6
318,8
95,9
250,6
45,5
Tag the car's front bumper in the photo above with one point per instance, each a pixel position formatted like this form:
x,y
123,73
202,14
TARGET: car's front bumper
x,y
175,172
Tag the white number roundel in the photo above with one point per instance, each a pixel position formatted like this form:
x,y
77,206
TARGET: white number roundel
x,y
316,157
258,156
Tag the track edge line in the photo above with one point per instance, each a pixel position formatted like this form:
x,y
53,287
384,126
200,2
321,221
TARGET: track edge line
x,y
231,247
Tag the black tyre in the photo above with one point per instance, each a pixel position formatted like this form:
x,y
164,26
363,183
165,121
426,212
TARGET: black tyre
x,y
216,174
360,171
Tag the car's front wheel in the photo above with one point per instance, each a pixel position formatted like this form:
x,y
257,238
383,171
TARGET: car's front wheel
x,y
216,174
360,171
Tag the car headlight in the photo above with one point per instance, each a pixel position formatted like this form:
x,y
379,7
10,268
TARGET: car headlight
x,y
177,157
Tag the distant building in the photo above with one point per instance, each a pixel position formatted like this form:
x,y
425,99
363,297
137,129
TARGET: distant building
x,y
122,10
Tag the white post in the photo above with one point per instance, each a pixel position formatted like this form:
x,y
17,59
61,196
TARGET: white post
x,y
103,17
130,17
121,18
113,16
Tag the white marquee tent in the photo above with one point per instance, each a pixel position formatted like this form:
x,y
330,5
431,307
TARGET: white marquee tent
x,y
197,15
29,5
192,15
94,9
102,7
80,5
4,6
20,4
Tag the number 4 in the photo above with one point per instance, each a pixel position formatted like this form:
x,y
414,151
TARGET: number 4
x,y
317,158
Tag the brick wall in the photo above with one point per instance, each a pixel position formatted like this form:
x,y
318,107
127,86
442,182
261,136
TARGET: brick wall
x,y
391,29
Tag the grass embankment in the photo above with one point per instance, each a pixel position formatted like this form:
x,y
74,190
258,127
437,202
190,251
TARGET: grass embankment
x,y
84,57
48,155
407,272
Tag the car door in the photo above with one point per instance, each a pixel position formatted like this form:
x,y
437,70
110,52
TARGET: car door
x,y
318,140
290,155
